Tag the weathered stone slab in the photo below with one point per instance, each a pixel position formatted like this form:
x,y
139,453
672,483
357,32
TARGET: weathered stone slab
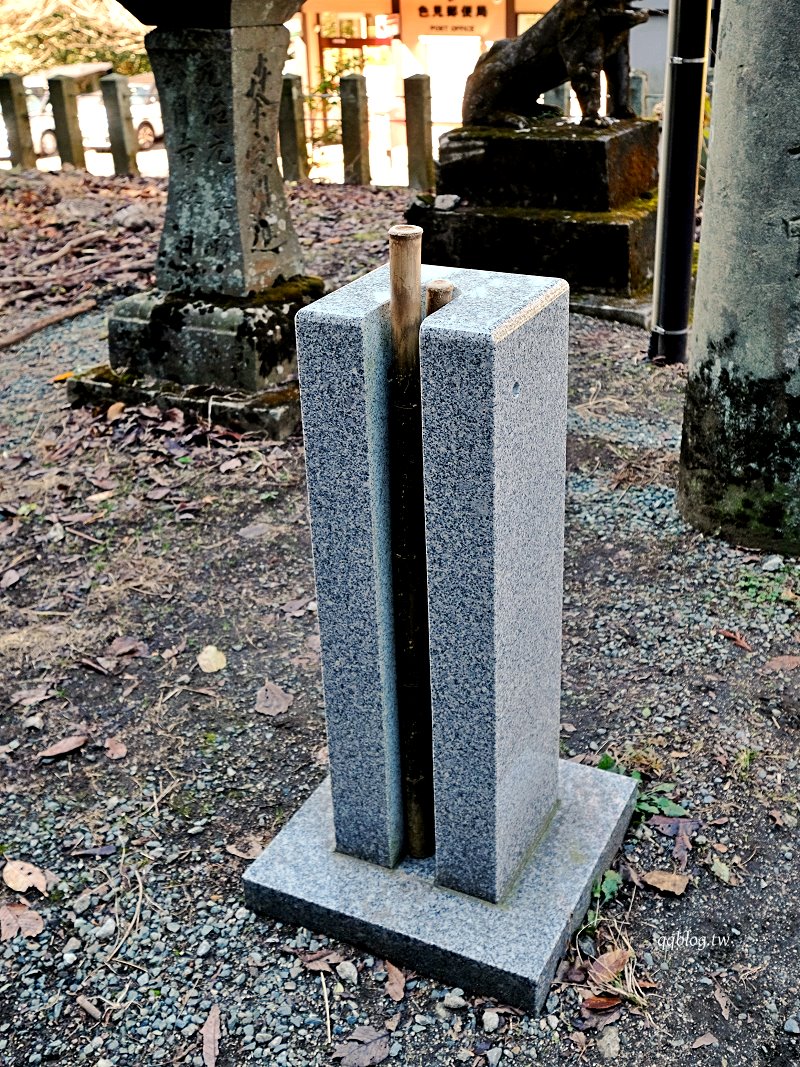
x,y
227,228
557,164
602,252
494,403
508,951
239,344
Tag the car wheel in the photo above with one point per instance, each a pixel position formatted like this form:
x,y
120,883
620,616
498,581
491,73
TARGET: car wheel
x,y
146,136
48,145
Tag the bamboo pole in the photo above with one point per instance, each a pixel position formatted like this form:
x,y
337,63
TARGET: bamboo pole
x,y
408,542
437,294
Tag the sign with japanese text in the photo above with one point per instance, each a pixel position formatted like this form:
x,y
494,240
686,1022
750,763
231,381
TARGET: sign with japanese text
x,y
486,20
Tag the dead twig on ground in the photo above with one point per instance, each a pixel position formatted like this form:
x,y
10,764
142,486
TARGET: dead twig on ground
x,y
48,320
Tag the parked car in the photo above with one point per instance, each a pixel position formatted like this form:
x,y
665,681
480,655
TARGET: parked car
x,y
145,112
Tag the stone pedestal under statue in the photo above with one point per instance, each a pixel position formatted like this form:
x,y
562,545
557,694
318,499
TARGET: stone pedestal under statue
x,y
560,199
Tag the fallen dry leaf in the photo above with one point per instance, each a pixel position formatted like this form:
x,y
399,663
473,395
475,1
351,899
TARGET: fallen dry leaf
x,y
666,881
600,1003
706,1039
211,660
271,699
593,1020
681,830
115,748
63,747
782,663
322,960
127,646
395,983
606,967
722,871
19,919
11,577
251,850
28,697
365,1047
252,533
737,638
210,1031
20,876
723,1000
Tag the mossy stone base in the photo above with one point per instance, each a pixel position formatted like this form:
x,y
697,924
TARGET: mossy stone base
x,y
740,460
274,411
556,164
596,251
210,339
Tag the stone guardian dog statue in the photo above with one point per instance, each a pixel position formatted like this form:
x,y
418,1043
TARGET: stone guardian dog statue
x,y
575,40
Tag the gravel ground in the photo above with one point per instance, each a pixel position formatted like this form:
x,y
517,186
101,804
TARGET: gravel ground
x,y
670,670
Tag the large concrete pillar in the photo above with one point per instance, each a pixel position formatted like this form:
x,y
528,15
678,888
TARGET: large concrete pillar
x,y
740,457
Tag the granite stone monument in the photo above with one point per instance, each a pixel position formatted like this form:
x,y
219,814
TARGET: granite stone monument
x,y
520,836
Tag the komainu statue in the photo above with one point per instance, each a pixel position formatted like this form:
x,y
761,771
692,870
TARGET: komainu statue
x,y
575,40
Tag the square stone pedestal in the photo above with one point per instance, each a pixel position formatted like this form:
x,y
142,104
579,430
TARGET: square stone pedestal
x,y
508,950
608,252
556,164
246,343
560,199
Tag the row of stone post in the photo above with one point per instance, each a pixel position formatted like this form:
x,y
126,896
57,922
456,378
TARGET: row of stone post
x,y
64,93
355,130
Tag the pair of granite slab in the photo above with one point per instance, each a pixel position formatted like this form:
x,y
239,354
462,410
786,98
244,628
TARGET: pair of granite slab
x,y
520,835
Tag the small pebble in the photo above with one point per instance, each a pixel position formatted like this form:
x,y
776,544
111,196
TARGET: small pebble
x,y
347,972
491,1021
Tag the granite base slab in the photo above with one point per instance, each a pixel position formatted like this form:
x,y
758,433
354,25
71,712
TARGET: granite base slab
x,y
509,950
595,251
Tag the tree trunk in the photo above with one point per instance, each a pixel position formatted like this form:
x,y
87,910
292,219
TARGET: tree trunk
x,y
740,455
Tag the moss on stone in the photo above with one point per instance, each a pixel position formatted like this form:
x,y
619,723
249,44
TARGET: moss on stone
x,y
548,126
740,456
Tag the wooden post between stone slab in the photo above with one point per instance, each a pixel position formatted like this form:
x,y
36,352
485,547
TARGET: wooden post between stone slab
x,y
409,574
